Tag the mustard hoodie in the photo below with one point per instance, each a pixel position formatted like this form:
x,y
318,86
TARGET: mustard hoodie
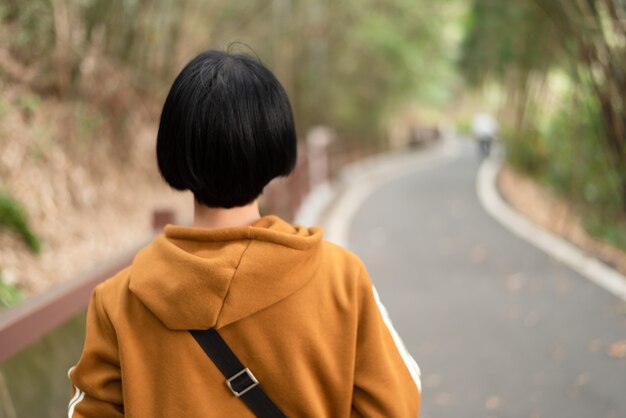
x,y
298,311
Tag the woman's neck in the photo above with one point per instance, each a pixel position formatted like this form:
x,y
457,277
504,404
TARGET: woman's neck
x,y
206,217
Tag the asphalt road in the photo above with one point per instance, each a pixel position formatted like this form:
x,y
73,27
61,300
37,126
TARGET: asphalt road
x,y
498,328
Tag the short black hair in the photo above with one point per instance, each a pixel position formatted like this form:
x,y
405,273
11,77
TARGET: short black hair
x,y
226,130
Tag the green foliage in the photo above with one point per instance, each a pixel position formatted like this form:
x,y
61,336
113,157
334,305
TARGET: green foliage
x,y
88,121
573,138
519,45
507,39
12,216
464,126
29,103
388,53
524,149
35,36
609,229
347,64
567,156
9,294
579,167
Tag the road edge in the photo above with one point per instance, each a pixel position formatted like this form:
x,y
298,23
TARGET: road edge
x,y
556,247
333,206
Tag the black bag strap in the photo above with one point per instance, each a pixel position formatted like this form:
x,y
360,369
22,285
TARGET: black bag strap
x,y
239,378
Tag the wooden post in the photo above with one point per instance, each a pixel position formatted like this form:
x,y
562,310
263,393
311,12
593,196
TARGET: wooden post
x,y
318,140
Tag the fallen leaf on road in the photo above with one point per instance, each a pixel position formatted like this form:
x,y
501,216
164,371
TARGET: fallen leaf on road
x,y
595,345
617,349
562,288
558,354
515,281
437,225
478,254
582,379
443,399
573,392
445,247
514,312
432,381
492,403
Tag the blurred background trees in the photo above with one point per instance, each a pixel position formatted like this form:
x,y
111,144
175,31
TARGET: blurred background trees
x,y
345,64
560,69
82,83
82,80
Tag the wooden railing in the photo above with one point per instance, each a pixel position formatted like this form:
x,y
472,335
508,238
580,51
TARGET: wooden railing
x,y
26,323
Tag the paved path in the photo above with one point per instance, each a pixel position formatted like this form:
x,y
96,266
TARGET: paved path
x,y
497,327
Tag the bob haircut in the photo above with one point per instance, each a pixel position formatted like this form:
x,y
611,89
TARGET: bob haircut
x,y
226,130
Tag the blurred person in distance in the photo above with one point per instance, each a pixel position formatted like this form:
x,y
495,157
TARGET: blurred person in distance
x,y
300,313
484,129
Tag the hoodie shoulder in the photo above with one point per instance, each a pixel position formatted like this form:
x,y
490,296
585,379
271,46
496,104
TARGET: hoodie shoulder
x,y
112,290
342,255
347,270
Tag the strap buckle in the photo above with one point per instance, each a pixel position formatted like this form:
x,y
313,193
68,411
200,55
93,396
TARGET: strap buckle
x,y
238,392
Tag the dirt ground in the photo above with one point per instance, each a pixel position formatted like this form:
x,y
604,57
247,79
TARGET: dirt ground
x,y
544,208
88,195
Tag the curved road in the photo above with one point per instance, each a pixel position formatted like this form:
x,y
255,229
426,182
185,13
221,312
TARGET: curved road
x,y
497,327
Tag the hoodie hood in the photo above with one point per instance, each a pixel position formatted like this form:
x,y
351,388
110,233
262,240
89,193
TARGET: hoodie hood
x,y
200,278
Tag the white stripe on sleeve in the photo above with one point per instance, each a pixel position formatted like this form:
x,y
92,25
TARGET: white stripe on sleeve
x,y
80,395
406,356
76,395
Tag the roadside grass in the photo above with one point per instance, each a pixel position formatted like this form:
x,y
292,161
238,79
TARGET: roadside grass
x,y
611,231
9,294
566,154
13,217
